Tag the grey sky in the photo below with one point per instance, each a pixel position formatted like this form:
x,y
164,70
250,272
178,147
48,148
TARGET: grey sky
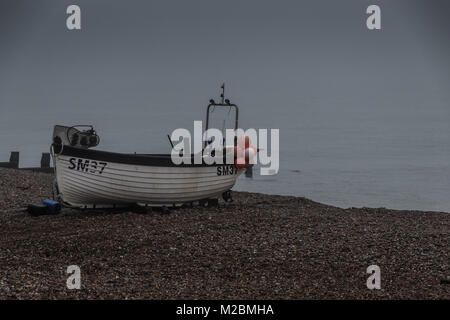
x,y
162,60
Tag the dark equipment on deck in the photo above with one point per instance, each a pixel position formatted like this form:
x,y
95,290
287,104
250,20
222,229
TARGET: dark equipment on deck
x,y
76,138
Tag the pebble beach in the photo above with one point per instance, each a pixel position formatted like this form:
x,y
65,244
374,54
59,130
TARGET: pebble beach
x,y
256,247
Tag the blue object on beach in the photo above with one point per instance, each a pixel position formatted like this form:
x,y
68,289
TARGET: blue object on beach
x,y
53,207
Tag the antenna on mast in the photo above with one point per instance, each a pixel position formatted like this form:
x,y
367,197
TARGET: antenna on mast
x,y
222,95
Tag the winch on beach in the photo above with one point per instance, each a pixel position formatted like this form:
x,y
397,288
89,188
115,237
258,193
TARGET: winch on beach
x,y
89,178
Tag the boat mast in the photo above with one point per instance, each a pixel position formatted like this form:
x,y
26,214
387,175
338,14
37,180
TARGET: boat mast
x,y
223,103
222,95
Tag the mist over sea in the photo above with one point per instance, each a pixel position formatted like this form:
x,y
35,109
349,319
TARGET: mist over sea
x,y
364,116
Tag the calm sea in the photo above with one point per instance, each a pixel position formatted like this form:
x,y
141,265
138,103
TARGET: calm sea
x,y
388,158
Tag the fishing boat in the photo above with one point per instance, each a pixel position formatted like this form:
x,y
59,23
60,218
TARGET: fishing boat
x,y
90,178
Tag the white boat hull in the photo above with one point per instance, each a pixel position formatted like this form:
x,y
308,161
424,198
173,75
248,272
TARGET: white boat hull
x,y
90,182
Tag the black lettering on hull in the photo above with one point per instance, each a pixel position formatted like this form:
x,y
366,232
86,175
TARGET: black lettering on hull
x,y
84,165
226,170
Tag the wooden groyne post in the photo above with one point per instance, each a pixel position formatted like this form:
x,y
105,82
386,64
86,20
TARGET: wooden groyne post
x,y
14,163
45,160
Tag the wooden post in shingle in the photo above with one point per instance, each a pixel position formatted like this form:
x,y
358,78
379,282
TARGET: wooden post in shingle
x,y
45,160
14,160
